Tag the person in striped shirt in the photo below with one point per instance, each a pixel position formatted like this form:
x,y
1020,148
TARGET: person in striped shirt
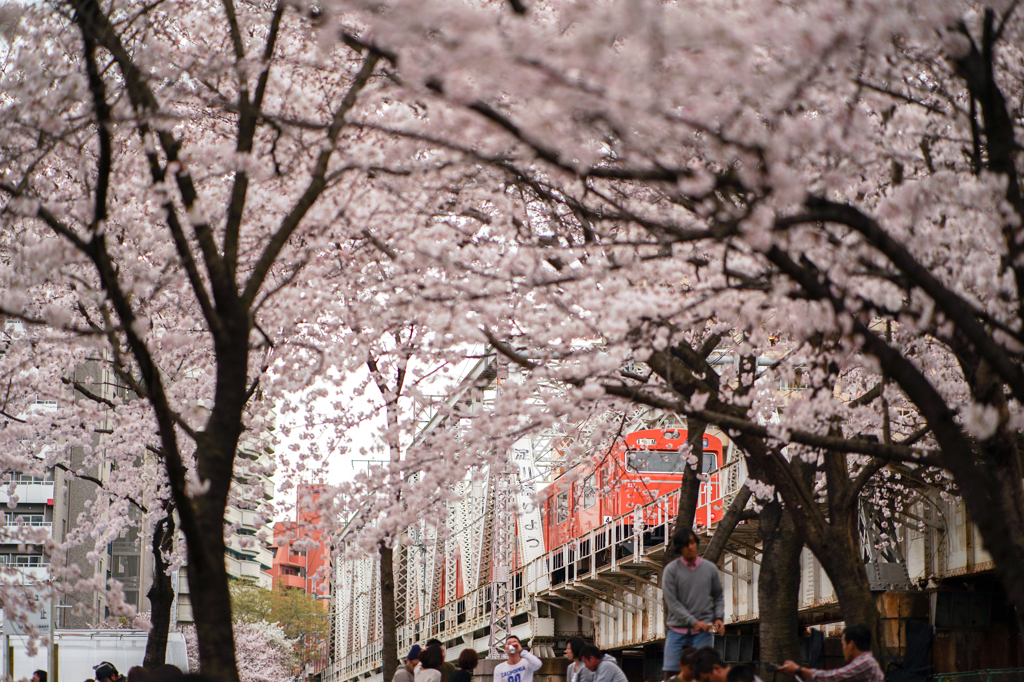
x,y
860,666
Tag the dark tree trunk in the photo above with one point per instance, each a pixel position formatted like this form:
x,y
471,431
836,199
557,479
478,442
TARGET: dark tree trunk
x,y
993,493
835,541
161,593
211,599
689,491
204,537
838,551
778,585
387,603
736,512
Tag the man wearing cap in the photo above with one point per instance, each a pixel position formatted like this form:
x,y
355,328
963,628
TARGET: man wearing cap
x,y
404,672
106,672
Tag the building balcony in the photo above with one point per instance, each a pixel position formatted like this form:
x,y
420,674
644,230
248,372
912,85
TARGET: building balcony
x,y
292,560
296,581
15,574
252,548
243,517
26,533
28,493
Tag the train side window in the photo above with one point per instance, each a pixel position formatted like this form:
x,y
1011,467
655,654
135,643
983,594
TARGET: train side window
x,y
562,512
710,462
589,496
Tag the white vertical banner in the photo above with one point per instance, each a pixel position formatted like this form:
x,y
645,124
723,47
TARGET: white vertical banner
x,y
531,529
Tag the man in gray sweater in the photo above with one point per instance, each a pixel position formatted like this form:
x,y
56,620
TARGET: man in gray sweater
x,y
601,666
693,594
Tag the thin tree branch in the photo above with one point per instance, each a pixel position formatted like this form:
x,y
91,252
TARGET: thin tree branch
x,y
953,306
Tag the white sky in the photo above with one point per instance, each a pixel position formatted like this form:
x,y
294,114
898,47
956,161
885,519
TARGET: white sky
x,y
361,443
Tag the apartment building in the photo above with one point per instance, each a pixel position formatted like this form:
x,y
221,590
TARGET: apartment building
x,y
53,503
304,565
32,514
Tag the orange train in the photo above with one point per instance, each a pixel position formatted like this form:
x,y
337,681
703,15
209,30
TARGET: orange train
x,y
646,466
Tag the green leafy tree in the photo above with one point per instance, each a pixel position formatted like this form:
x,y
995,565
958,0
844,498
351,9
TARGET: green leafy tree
x,y
301,616
250,603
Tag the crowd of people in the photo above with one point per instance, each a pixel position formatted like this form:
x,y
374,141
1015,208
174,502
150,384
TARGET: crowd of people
x,y
106,671
587,663
428,664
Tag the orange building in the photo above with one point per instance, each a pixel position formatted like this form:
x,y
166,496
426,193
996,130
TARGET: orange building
x,y
300,554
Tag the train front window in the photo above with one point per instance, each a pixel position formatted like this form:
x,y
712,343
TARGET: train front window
x,y
562,512
661,462
709,463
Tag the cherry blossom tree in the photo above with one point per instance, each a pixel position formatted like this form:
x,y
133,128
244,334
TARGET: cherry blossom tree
x,y
264,652
158,218
841,198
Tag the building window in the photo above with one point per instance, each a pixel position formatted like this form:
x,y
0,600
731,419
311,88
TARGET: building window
x,y
26,519
24,479
30,560
125,566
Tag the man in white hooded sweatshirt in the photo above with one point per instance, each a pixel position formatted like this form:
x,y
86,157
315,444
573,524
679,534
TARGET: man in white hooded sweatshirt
x,y
520,664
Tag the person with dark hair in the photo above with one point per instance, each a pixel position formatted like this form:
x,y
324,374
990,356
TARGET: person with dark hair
x,y
573,649
39,676
106,672
692,589
431,660
520,664
405,671
446,667
465,666
685,659
137,673
708,666
741,673
860,666
602,667
169,673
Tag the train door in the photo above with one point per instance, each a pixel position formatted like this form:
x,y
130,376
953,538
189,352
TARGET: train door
x,y
587,504
710,501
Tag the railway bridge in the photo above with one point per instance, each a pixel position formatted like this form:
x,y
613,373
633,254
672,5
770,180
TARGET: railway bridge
x,y
489,577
